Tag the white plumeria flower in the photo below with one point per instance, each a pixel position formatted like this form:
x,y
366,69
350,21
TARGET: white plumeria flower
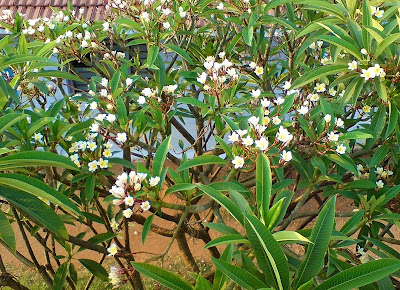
x,y
284,135
333,137
145,16
241,132
314,97
352,65
104,82
182,13
279,101
141,100
238,162
364,51
92,146
145,206
339,122
248,141
103,163
287,85
234,137
220,6
380,184
303,110
128,82
93,166
202,78
366,109
325,60
341,149
129,200
262,144
265,103
112,250
101,117
286,155
166,25
153,181
259,71
276,120
332,92
253,120
253,65
121,137
379,13
208,65
256,93
107,153
94,127
313,45
37,137
327,118
111,118
114,225
320,87
127,213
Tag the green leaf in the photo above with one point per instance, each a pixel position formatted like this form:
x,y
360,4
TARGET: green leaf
x,y
101,238
160,156
290,237
152,55
201,160
241,276
247,33
227,149
60,276
361,275
344,162
164,277
89,186
352,223
355,135
228,239
366,21
320,238
115,81
55,74
344,44
36,158
379,155
219,277
35,209
263,185
270,257
274,213
319,164
385,43
7,233
181,52
233,209
10,119
95,268
38,188
318,73
393,118
121,111
146,227
192,101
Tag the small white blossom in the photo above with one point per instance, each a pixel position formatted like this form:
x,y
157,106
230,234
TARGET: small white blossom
x,y
238,162
262,144
341,149
153,181
112,250
145,206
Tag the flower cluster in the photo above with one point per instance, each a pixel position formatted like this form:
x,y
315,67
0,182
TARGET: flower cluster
x,y
125,188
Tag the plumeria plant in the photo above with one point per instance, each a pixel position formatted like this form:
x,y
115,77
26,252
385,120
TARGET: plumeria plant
x,y
240,122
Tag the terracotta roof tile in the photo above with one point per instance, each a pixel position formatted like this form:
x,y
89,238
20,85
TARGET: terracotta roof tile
x,y
94,9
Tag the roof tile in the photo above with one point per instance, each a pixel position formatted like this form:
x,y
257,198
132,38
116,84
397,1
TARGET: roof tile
x,y
94,9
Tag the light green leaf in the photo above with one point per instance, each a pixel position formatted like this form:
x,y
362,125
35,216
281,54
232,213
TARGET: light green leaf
x,y
270,257
320,238
201,160
6,232
35,209
263,185
228,239
355,135
10,119
95,268
164,277
290,237
181,52
318,73
60,276
241,276
160,156
38,188
361,275
146,227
